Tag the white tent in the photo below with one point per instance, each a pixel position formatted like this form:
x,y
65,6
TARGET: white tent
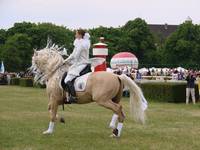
x,y
153,68
181,69
165,69
143,70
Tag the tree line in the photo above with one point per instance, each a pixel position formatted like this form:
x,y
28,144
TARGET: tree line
x,y
181,48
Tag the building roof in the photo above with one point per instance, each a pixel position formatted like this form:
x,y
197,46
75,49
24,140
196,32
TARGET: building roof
x,y
162,30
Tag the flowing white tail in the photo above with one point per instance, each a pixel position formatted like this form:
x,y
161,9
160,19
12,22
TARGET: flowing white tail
x,y
138,103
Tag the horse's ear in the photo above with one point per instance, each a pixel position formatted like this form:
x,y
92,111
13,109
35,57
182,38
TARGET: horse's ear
x,y
35,52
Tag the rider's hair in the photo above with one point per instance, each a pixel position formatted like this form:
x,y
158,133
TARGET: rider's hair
x,y
81,32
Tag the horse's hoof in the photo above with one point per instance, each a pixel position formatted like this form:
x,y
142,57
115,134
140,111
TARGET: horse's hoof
x,y
47,132
113,136
115,133
62,120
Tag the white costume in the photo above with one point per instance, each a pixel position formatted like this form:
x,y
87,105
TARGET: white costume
x,y
79,58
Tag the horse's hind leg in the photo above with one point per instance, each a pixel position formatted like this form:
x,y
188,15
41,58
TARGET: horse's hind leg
x,y
53,107
113,121
117,109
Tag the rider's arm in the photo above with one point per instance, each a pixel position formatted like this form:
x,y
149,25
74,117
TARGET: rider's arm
x,y
75,54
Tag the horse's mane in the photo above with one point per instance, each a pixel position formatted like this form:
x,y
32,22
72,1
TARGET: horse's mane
x,y
46,62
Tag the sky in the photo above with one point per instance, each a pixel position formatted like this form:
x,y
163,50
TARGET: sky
x,y
93,13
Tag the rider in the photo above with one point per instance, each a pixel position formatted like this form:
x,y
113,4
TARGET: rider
x,y
78,60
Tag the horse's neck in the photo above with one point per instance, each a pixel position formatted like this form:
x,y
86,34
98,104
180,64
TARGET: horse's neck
x,y
52,64
57,71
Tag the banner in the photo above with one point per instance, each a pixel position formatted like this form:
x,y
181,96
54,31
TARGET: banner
x,y
2,69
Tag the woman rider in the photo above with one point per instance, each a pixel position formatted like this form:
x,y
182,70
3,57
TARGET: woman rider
x,y
78,60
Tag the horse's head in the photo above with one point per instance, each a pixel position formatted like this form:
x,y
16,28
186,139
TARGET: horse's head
x,y
46,61
40,59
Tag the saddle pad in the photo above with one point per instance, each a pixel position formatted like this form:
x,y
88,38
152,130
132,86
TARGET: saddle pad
x,y
81,82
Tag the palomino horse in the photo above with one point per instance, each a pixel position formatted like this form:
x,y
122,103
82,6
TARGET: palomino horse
x,y
104,88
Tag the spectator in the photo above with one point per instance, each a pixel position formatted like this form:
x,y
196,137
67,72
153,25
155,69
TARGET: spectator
x,y
125,70
138,75
149,73
161,72
174,76
152,72
118,71
175,71
8,78
198,81
180,75
190,87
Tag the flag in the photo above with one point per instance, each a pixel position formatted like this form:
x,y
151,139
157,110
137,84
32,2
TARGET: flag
x,y
2,70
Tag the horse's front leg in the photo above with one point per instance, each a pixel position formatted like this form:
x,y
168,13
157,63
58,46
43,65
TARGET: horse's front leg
x,y
53,107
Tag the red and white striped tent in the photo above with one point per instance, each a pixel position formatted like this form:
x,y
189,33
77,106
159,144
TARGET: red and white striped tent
x,y
124,59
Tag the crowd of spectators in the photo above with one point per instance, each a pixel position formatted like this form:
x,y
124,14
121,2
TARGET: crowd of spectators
x,y
172,73
5,78
175,74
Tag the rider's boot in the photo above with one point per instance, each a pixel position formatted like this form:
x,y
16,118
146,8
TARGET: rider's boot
x,y
71,93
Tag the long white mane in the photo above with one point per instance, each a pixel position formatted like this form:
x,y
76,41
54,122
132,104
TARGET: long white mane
x,y
46,62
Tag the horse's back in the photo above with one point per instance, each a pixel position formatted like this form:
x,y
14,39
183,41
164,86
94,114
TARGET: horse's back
x,y
103,85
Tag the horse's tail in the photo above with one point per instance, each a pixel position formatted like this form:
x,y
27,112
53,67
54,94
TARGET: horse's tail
x,y
138,103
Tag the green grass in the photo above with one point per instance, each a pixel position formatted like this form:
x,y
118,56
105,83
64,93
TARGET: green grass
x,y
23,117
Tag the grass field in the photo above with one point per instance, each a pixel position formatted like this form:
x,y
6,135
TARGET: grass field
x,y
23,117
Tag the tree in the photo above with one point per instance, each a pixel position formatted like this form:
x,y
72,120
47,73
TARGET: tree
x,y
59,35
23,27
17,43
182,48
138,39
3,36
17,52
39,34
111,35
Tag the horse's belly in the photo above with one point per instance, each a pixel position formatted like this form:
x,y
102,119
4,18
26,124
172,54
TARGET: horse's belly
x,y
84,98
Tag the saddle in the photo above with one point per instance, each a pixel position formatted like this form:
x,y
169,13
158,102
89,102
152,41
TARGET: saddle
x,y
86,70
